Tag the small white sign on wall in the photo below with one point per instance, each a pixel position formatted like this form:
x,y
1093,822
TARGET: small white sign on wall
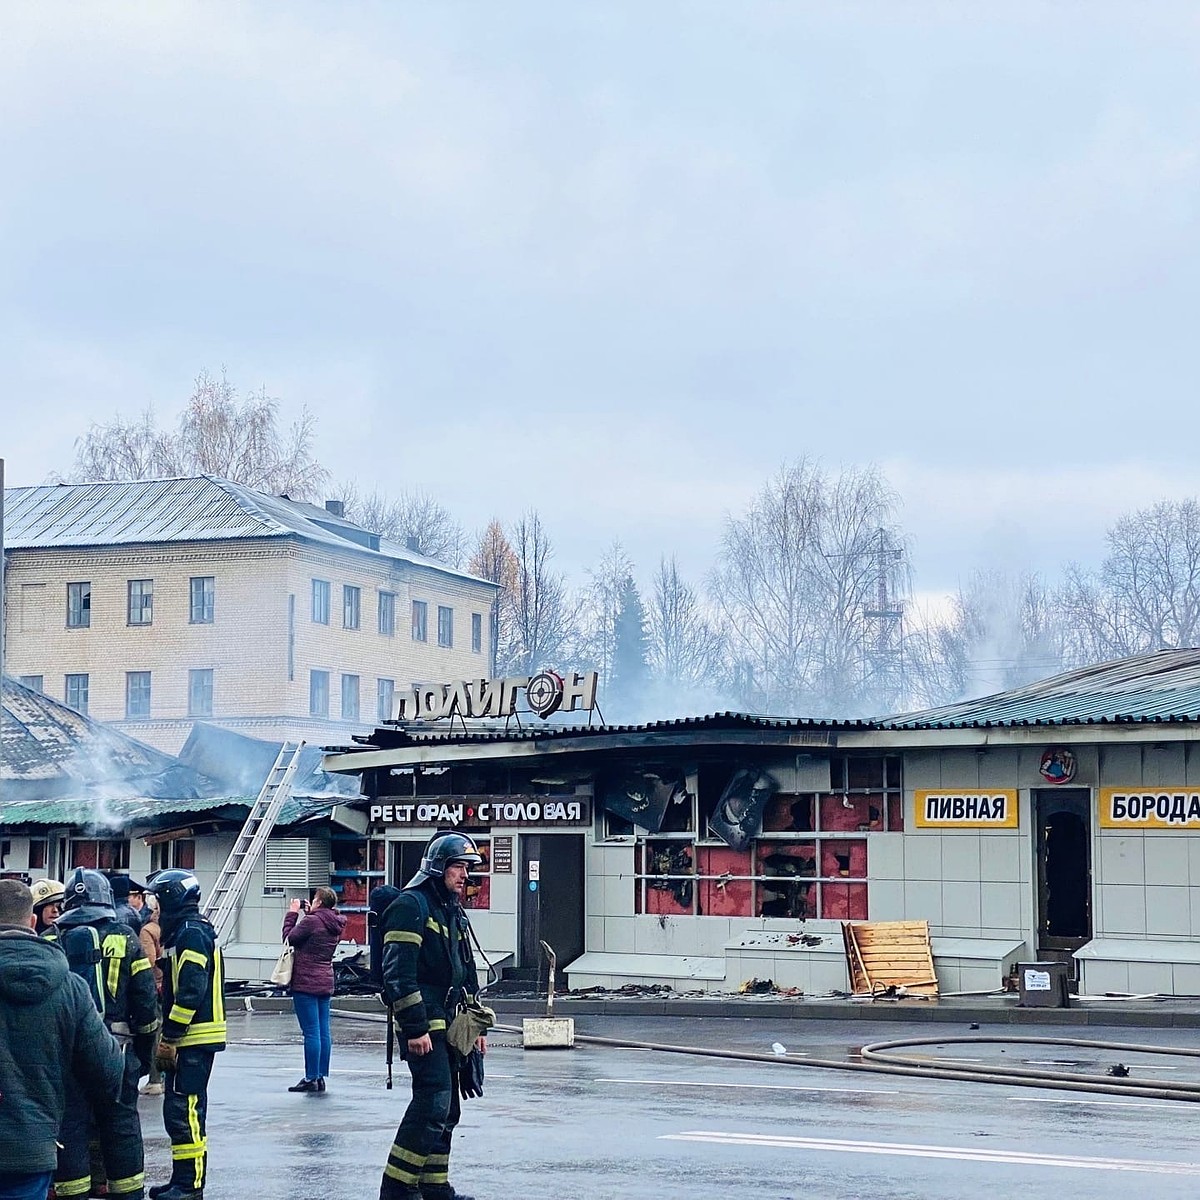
x,y
535,868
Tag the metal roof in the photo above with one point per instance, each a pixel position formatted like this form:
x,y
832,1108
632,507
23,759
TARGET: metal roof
x,y
202,508
1148,688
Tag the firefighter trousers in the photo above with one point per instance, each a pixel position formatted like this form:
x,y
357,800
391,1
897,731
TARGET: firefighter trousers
x,y
116,1127
185,1112
420,1156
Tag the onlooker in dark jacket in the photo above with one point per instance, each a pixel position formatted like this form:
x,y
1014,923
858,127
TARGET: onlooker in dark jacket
x,y
126,913
315,935
49,1029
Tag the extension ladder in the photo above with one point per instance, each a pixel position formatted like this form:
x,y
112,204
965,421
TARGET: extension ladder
x,y
226,895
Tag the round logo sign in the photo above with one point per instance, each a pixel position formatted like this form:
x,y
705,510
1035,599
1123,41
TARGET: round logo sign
x,y
545,693
1058,765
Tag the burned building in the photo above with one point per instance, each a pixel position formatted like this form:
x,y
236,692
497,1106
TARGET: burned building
x,y
1056,821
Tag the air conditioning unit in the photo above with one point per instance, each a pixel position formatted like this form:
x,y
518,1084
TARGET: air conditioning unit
x,y
296,863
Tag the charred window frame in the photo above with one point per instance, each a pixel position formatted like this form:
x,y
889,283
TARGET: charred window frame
x,y
420,621
39,853
98,854
140,602
811,859
79,605
137,694
202,599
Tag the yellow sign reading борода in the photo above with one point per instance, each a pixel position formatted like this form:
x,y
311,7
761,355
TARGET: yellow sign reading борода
x,y
1150,808
965,808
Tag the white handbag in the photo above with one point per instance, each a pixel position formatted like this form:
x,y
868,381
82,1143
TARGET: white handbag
x,y
282,972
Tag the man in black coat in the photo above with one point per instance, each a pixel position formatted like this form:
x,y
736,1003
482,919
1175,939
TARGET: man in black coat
x,y
49,1030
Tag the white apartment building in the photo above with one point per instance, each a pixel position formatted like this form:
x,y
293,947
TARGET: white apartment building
x,y
153,604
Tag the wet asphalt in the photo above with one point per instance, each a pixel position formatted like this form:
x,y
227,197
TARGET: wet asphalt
x,y
603,1122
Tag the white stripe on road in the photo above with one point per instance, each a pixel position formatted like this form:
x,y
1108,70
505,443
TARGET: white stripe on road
x,y
765,1087
1104,1103
905,1150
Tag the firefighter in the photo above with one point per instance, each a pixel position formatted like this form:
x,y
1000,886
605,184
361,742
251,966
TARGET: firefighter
x,y
47,904
193,1028
428,970
108,957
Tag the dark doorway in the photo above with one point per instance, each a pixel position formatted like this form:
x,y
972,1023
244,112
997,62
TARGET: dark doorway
x,y
1064,858
551,911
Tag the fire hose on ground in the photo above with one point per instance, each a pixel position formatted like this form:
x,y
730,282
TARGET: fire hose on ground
x,y
886,1058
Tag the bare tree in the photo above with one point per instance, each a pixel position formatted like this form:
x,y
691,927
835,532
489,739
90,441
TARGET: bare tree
x,y
796,578
218,434
686,648
1003,630
600,607
1146,595
495,559
415,518
542,614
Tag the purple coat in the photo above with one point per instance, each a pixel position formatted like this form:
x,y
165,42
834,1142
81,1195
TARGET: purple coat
x,y
315,936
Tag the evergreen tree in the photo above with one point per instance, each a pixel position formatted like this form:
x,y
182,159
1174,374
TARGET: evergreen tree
x,y
631,655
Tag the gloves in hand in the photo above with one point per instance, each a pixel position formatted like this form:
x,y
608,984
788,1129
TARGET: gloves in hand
x,y
470,1076
164,1057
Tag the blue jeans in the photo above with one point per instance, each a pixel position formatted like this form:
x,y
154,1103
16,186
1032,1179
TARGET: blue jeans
x,y
313,1014
14,1186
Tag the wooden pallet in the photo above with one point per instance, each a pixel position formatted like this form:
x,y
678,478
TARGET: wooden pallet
x,y
881,955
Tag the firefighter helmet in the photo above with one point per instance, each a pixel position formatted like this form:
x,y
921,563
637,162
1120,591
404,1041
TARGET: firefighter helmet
x,y
444,849
175,889
85,888
46,891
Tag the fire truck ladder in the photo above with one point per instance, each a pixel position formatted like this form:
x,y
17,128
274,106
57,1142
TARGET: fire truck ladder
x,y
226,896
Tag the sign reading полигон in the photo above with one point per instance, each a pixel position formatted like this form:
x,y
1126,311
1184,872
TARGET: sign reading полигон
x,y
965,808
1150,808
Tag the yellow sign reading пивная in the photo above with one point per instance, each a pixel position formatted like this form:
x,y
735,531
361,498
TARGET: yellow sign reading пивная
x,y
965,808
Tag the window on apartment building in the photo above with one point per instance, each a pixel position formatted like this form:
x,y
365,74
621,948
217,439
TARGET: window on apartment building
x,y
35,683
387,613
141,601
349,697
385,693
75,692
351,606
318,693
445,625
79,605
203,599
320,601
200,693
420,621
137,694
477,632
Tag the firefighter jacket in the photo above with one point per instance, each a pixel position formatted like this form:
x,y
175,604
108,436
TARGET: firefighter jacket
x,y
428,967
108,957
193,983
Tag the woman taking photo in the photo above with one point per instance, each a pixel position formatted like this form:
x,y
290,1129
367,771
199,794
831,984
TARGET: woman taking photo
x,y
315,932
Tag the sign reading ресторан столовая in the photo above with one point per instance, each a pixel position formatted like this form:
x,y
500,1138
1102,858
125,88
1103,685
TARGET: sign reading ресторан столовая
x,y
545,693
965,808
479,813
1150,808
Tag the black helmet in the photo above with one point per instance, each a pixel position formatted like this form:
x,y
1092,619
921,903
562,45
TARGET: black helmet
x,y
87,887
175,889
444,849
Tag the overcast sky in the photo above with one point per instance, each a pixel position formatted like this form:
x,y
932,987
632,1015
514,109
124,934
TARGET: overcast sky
x,y
617,261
